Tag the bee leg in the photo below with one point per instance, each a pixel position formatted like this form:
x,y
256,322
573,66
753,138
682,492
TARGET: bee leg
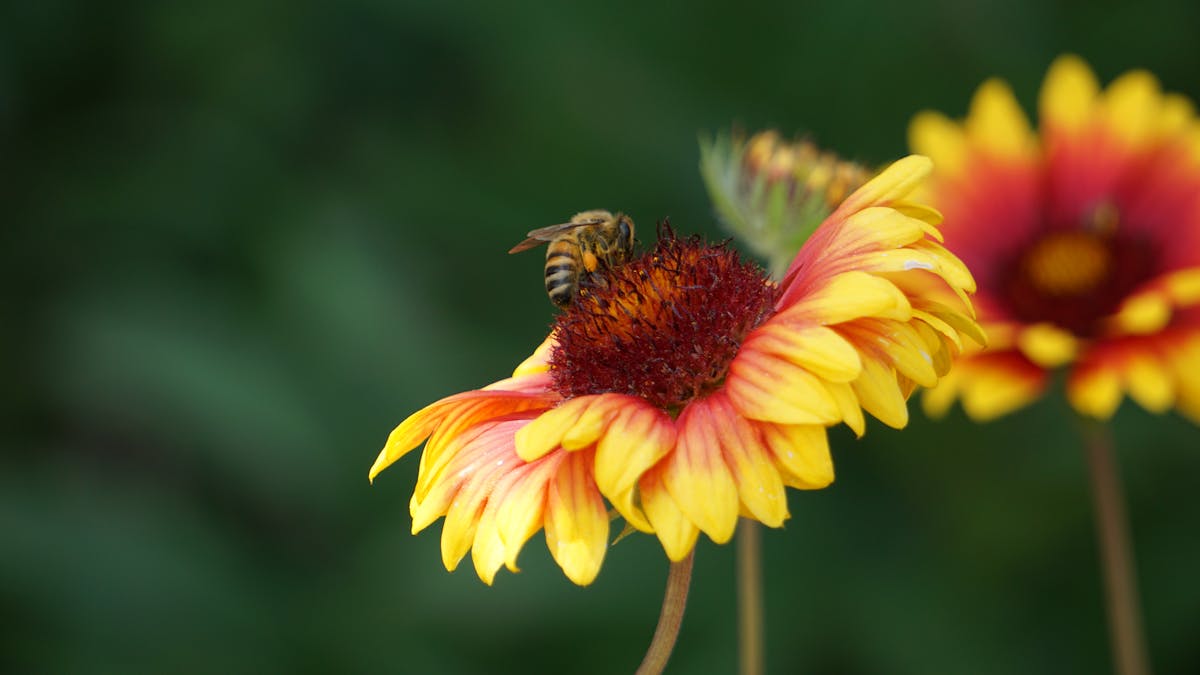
x,y
590,262
593,280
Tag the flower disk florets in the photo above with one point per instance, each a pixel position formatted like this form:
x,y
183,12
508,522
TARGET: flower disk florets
x,y
1075,278
663,327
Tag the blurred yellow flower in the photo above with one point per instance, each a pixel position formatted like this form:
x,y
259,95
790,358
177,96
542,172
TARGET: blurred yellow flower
x,y
1085,241
689,389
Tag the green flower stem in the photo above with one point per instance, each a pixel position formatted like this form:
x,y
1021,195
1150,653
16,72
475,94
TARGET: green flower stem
x,y
750,598
670,618
751,660
1116,554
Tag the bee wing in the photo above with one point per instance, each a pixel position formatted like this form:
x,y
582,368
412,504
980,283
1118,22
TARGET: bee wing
x,y
526,245
545,234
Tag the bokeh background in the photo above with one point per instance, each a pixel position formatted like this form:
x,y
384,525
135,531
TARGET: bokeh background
x,y
242,240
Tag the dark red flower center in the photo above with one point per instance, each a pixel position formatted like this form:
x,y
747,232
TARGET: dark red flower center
x,y
1076,277
663,327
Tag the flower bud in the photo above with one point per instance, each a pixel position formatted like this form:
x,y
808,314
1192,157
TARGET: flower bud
x,y
771,194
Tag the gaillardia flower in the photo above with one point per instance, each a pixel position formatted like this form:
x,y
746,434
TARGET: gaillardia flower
x,y
1085,242
689,388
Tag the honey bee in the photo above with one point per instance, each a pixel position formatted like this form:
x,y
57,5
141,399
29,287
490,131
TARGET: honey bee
x,y
578,248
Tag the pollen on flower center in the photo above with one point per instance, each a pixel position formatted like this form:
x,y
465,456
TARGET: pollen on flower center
x,y
1075,278
663,327
1067,263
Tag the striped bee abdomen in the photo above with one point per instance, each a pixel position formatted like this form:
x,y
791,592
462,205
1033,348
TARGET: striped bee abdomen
x,y
562,270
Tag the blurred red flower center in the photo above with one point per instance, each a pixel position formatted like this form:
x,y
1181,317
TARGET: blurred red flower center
x,y
663,327
1067,263
1075,278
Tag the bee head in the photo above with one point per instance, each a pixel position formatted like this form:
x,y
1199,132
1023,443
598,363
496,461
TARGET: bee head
x,y
625,233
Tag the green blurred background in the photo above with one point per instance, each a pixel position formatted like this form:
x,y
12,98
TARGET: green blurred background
x,y
242,240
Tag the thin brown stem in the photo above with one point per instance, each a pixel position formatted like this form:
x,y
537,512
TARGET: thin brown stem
x,y
670,618
750,598
1116,554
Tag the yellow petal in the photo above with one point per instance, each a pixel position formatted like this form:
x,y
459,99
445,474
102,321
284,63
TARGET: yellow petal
x,y
1068,94
962,323
848,406
943,141
1149,383
1176,115
426,511
1184,361
912,356
462,519
848,296
539,360
635,441
818,349
993,388
452,445
892,184
1143,314
928,216
896,343
628,506
943,328
574,425
592,424
878,228
412,432
545,432
522,510
802,454
1132,105
1184,286
697,477
1095,391
488,551
758,483
879,393
533,383
946,265
920,258
444,421
766,387
576,520
676,533
1047,345
943,346
936,401
996,123
439,486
